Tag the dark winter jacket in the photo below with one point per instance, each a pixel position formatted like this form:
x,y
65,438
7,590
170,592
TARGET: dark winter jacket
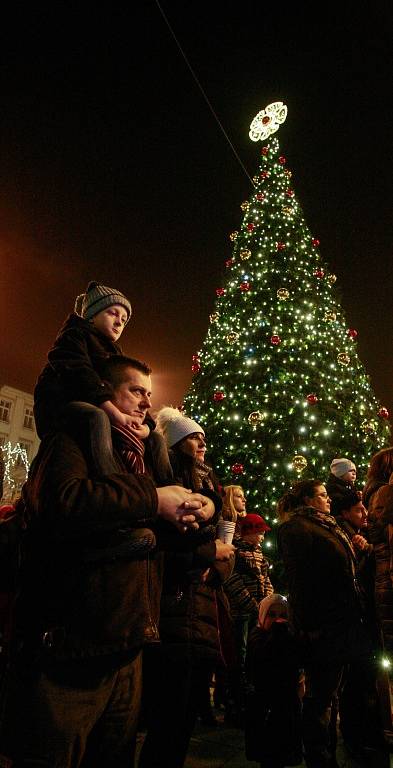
x,y
189,620
319,564
337,489
80,594
379,498
273,711
188,614
249,582
71,371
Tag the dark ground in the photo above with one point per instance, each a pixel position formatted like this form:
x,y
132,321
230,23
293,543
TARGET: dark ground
x,y
223,747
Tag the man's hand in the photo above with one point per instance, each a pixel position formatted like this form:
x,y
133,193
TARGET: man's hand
x,y
359,542
207,510
180,506
224,551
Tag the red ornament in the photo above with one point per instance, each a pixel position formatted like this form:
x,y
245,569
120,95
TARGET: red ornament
x,y
250,226
352,333
237,468
312,399
383,413
264,175
280,246
229,262
282,160
264,150
195,367
275,340
260,196
218,396
315,242
319,273
244,286
220,291
289,192
195,358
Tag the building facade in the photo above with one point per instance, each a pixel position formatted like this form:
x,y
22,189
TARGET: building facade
x,y
17,427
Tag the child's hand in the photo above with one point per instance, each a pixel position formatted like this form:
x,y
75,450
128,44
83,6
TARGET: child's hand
x,y
140,430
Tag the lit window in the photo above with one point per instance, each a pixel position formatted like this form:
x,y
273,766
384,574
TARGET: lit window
x,y
28,421
5,410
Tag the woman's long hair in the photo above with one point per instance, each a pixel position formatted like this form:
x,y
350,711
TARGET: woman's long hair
x,y
379,471
296,497
381,466
228,507
185,469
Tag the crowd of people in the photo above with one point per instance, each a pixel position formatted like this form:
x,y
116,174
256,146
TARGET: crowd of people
x,y
143,586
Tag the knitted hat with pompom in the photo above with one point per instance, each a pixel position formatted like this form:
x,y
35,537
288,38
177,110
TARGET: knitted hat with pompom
x,y
175,426
99,297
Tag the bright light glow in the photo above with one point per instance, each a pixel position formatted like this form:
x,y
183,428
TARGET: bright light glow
x,y
268,121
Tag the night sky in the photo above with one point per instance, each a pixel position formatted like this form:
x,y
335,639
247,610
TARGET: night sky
x,y
114,168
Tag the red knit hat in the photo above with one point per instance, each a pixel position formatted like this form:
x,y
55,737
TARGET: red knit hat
x,y
253,523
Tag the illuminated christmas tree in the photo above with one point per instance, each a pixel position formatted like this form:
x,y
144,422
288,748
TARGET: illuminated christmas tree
x,y
278,384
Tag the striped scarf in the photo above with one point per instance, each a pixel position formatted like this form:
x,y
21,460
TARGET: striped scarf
x,y
130,448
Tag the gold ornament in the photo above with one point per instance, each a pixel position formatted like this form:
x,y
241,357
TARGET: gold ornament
x,y
245,205
331,279
343,358
255,179
288,172
214,317
232,337
255,418
282,293
329,315
244,255
299,463
369,426
233,236
286,209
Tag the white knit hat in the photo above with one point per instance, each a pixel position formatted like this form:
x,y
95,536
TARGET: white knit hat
x,y
175,426
264,606
339,467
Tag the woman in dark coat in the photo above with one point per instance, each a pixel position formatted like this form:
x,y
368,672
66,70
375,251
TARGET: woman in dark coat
x,y
378,498
325,604
180,669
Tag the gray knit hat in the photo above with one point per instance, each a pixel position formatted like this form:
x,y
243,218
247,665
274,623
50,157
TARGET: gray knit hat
x,y
175,426
339,467
99,297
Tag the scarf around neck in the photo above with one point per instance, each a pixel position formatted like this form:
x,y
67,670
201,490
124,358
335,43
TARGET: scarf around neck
x,y
330,522
130,448
202,473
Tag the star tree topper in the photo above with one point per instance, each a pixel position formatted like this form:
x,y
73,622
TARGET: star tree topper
x,y
268,121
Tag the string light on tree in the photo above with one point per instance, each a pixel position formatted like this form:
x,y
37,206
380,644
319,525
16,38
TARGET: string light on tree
x,y
296,392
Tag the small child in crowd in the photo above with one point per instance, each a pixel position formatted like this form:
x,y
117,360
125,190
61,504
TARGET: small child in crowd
x,y
88,336
71,396
247,586
273,710
342,479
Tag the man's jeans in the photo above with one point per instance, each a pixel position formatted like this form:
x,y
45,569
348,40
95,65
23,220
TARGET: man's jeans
x,y
74,717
